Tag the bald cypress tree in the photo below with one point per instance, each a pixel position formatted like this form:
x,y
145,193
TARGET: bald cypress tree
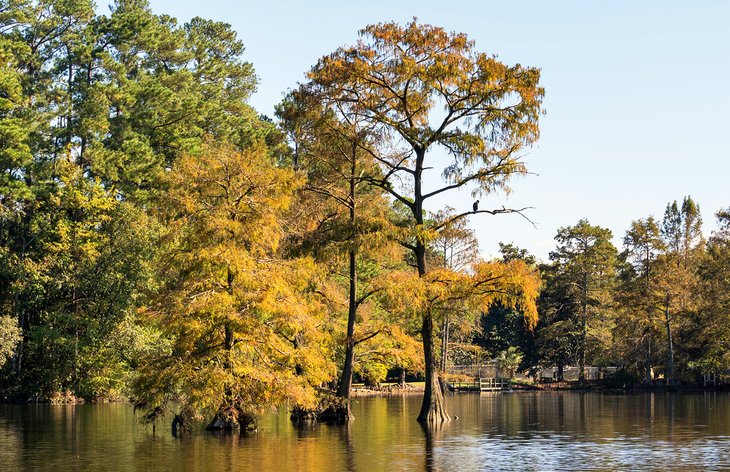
x,y
441,104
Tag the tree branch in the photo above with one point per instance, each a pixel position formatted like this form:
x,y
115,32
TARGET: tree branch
x,y
503,210
367,295
369,336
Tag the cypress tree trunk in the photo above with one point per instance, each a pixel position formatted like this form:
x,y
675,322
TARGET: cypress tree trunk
x,y
230,415
647,280
670,345
346,381
445,327
345,386
444,343
648,379
583,332
433,409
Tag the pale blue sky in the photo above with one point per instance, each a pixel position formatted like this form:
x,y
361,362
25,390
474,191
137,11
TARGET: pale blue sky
x,y
637,95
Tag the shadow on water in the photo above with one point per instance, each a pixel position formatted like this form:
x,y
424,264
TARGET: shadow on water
x,y
348,445
305,428
432,434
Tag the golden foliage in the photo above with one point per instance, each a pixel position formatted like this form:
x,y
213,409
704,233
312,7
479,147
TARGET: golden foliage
x,y
401,77
247,327
513,284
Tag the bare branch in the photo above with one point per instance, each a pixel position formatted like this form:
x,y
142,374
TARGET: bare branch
x,y
369,336
503,210
367,295
386,185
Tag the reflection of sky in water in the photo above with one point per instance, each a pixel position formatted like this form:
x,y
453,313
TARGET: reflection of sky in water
x,y
516,431
567,453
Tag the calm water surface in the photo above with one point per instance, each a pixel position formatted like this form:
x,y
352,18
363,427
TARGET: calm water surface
x,y
500,431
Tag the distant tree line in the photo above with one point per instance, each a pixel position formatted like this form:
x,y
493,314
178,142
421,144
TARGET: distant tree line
x,y
657,309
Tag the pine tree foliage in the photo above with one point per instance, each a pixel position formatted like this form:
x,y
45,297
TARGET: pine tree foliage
x,y
714,313
584,272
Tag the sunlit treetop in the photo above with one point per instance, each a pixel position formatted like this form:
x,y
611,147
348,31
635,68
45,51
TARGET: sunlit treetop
x,y
424,86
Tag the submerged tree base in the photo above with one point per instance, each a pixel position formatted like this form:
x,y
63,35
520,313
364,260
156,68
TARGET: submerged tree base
x,y
179,425
333,410
434,415
433,409
303,415
232,418
336,414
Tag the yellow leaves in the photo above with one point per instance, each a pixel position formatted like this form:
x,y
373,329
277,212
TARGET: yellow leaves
x,y
407,351
424,87
230,194
514,284
245,324
403,293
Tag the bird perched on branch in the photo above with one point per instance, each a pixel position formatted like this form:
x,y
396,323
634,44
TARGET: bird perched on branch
x,y
475,206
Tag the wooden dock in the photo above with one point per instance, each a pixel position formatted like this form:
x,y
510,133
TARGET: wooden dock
x,y
481,384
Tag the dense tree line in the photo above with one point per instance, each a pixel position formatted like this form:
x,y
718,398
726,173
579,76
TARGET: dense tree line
x,y
161,241
95,111
646,309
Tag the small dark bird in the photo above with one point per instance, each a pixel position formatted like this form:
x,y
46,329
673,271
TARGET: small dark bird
x,y
475,206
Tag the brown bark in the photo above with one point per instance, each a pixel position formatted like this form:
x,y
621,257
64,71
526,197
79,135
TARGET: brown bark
x,y
647,365
670,345
433,409
345,386
584,330
445,343
232,418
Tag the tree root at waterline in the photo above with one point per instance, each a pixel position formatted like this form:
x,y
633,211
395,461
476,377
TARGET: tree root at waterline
x,y
330,409
232,418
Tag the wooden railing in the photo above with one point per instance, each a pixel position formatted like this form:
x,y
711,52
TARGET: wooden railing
x,y
481,384
486,385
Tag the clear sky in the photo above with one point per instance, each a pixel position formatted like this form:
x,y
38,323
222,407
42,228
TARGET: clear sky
x,y
637,95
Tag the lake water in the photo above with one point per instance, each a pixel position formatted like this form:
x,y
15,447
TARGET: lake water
x,y
498,431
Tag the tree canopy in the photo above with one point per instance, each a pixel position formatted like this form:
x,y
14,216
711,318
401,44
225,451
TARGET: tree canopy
x,y
424,90
162,241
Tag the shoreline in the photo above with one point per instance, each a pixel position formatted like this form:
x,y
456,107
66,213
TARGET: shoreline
x,y
386,390
409,389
